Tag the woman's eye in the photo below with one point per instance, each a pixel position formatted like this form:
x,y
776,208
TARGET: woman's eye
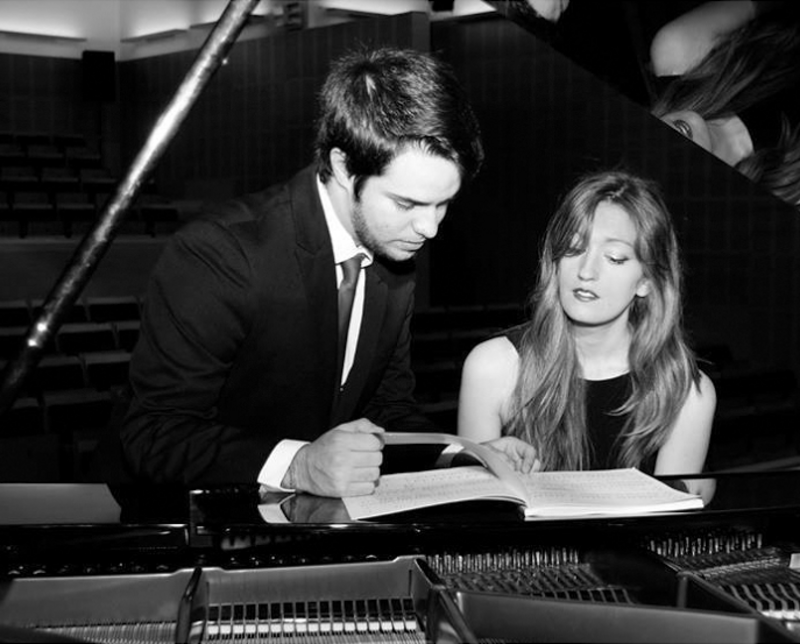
x,y
573,251
683,127
617,260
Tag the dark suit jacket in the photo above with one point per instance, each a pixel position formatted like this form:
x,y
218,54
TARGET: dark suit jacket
x,y
237,348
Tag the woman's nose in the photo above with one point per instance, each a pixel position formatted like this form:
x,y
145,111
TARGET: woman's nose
x,y
587,269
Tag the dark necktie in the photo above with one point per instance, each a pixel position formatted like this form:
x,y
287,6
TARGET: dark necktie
x,y
347,290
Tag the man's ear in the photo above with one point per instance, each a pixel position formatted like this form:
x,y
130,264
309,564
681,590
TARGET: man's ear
x,y
341,175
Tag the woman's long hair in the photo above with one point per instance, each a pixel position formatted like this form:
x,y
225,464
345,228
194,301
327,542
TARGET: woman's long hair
x,y
755,64
548,406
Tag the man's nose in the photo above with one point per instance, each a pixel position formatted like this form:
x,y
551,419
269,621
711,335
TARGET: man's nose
x,y
426,223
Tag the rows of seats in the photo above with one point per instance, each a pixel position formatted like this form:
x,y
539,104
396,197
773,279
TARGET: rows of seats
x,y
66,401
57,184
441,339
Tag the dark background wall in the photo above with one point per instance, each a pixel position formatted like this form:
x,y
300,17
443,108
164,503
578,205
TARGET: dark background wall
x,y
545,120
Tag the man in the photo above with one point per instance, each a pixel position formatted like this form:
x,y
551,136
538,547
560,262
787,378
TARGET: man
x,y
237,376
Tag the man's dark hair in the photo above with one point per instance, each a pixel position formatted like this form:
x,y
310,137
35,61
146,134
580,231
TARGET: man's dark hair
x,y
376,103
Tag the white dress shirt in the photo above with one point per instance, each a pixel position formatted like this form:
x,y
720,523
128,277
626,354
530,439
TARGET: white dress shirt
x,y
344,247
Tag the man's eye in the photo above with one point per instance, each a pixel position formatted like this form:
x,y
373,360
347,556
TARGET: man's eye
x,y
403,205
683,127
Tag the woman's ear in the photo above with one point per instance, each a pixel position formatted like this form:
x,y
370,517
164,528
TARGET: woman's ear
x,y
341,175
643,289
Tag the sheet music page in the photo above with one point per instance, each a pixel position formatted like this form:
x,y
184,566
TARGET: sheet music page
x,y
617,491
412,490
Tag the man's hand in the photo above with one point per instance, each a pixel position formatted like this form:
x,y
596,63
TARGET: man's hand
x,y
344,461
520,455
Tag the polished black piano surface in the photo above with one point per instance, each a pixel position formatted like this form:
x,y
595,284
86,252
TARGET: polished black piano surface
x,y
90,563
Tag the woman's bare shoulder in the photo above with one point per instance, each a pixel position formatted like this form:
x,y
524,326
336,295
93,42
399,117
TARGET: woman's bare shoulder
x,y
493,358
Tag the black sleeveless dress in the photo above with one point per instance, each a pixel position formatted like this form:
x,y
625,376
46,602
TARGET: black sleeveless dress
x,y
603,397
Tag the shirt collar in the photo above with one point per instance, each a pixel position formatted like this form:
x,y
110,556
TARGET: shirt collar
x,y
344,246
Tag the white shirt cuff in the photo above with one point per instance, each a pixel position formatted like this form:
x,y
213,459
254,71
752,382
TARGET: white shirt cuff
x,y
278,462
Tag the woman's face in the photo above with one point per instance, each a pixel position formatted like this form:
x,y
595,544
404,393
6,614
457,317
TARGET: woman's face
x,y
598,284
692,126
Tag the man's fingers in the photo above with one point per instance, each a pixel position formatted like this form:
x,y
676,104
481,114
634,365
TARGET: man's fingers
x,y
360,442
366,475
360,489
367,459
366,426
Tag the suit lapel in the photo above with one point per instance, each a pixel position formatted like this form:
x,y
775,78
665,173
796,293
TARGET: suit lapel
x,y
314,255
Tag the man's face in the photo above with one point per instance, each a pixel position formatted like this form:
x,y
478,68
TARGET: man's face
x,y
398,211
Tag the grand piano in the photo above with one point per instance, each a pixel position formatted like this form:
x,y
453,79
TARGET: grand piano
x,y
79,563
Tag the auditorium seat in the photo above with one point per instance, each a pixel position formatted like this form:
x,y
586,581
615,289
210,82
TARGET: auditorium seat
x,y
30,459
96,180
75,211
43,155
24,418
113,308
27,139
433,346
76,313
127,334
57,373
75,338
756,419
106,369
756,389
430,320
59,179
77,418
466,316
444,414
437,381
18,177
9,222
66,139
36,214
15,313
82,156
11,339
159,214
504,316
11,153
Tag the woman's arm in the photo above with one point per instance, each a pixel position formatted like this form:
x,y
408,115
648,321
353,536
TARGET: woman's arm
x,y
487,383
684,451
683,42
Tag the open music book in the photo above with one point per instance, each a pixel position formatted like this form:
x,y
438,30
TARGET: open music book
x,y
539,494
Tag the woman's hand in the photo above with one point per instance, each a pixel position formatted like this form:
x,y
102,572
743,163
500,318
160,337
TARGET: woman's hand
x,y
519,454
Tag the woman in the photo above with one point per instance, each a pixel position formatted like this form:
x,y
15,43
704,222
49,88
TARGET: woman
x,y
601,375
728,74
